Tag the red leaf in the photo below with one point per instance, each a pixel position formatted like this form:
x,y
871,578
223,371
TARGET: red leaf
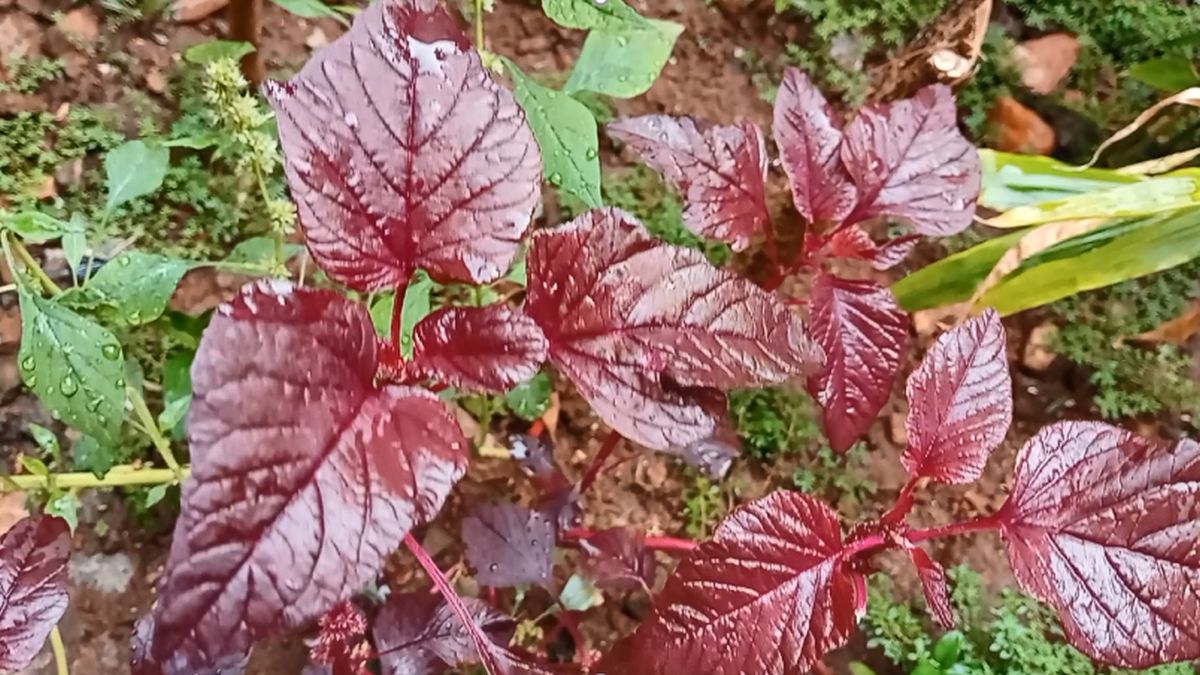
x,y
402,153
648,332
909,160
305,475
509,545
959,402
489,349
617,558
33,587
341,643
810,148
418,633
864,334
720,171
893,252
851,242
768,594
933,583
1102,524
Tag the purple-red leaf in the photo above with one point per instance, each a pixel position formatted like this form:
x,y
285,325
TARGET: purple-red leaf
x,y
1103,524
933,583
864,334
909,160
851,242
33,587
403,153
489,349
418,633
510,545
810,148
617,558
649,332
720,171
769,594
959,402
893,252
305,474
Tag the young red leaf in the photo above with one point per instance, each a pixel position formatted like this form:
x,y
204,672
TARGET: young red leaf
x,y
305,474
1102,524
418,633
617,558
489,349
33,587
909,160
810,148
648,332
893,252
933,583
959,402
509,545
342,643
403,153
720,171
864,334
768,594
851,242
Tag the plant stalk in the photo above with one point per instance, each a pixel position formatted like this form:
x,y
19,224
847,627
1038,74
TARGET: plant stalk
x,y
150,427
479,24
979,524
34,268
665,544
610,444
904,502
60,652
118,476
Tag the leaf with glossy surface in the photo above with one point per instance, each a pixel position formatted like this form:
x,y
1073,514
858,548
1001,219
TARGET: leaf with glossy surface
x,y
134,169
649,332
959,402
74,365
768,594
720,171
488,349
33,587
403,153
809,145
418,633
933,585
509,545
1165,193
1102,524
908,160
312,9
864,335
566,133
623,64
617,558
138,285
954,278
305,474
33,226
612,16
529,400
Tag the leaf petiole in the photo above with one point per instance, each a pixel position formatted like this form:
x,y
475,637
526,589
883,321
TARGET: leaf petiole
x,y
12,245
60,652
118,476
150,427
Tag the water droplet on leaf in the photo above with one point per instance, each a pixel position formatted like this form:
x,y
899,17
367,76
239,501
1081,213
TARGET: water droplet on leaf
x,y
111,352
69,386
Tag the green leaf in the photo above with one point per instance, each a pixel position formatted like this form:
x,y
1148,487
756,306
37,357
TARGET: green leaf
x,y
857,667
74,241
612,16
954,278
312,9
45,439
529,400
177,388
1012,180
89,455
417,306
948,648
217,50
155,494
1162,242
34,466
260,250
579,594
1137,199
33,226
65,506
194,142
173,413
1169,73
566,133
74,365
134,169
138,285
623,64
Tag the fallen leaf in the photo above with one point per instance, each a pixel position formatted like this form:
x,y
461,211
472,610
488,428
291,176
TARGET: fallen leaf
x,y
1177,331
1014,128
1038,355
1046,61
187,11
1189,96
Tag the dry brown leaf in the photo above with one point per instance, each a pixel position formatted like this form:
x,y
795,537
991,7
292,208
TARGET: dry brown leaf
x,y
1189,96
1177,331
1046,61
187,11
1151,167
1035,241
12,510
1015,128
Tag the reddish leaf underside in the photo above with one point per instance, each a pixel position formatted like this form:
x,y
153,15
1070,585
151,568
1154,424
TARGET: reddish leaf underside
x,y
909,160
490,349
851,242
1103,525
768,594
893,252
719,170
959,402
933,584
418,633
510,545
650,332
864,334
810,149
33,587
617,558
305,475
403,153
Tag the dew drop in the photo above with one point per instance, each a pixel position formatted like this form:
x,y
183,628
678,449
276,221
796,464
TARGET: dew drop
x,y
493,567
111,352
600,3
69,386
94,404
124,261
27,363
556,178
591,153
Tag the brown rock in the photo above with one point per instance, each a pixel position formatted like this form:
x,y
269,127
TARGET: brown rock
x,y
10,330
69,173
1046,61
1014,128
187,11
20,36
78,29
1037,355
10,376
156,81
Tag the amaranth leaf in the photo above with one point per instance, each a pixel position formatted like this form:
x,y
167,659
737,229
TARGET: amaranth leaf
x,y
33,587
489,349
510,545
809,144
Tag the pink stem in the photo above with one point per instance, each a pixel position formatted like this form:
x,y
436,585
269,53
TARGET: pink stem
x,y
966,527
397,309
667,544
537,427
610,444
904,502
482,644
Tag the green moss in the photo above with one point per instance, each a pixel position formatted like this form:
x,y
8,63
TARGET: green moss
x,y
26,75
704,506
773,421
33,146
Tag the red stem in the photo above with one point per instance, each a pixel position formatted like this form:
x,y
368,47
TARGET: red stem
x,y
537,427
966,527
610,444
443,585
397,309
667,544
904,502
